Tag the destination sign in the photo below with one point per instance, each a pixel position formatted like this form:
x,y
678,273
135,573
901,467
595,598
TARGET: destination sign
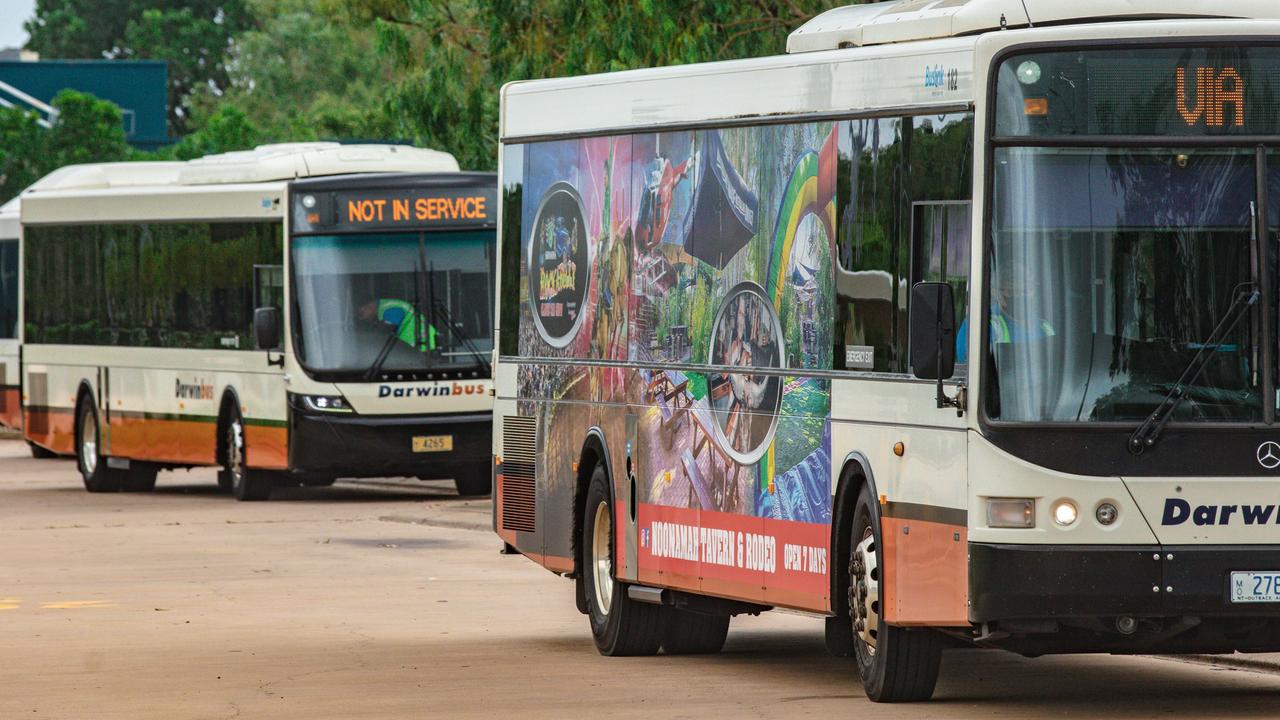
x,y
1229,90
393,209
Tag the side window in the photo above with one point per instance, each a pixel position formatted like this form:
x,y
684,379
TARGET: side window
x,y
8,289
905,186
941,211
511,275
870,288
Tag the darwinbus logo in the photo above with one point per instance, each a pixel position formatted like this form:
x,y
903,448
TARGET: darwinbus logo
x,y
1178,511
197,390
385,391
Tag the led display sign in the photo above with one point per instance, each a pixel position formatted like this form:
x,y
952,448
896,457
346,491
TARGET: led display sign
x,y
392,209
1142,91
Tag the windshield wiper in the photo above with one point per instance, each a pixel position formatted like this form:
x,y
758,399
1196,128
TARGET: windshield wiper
x,y
466,342
383,354
1149,431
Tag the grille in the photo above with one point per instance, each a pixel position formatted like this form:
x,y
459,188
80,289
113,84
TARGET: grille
x,y
519,459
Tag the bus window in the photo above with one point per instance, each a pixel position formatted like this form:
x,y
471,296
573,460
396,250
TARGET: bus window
x,y
940,253
869,284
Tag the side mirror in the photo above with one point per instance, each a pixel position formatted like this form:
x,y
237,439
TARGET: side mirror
x,y
933,331
266,328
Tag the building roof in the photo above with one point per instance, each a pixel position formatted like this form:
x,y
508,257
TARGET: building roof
x,y
906,20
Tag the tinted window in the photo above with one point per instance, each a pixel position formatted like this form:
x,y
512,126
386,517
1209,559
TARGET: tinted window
x,y
512,279
154,285
904,187
8,289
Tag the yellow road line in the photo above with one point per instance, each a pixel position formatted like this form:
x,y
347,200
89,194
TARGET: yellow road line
x,y
10,603
75,604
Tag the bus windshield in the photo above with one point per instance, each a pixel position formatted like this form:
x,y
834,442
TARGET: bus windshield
x,y
413,303
1117,246
1109,270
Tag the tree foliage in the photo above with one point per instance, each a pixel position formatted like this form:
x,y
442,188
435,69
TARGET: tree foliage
x,y
194,38
456,54
87,129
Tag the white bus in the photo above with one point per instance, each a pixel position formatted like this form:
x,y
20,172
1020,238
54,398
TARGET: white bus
x,y
291,314
10,401
954,325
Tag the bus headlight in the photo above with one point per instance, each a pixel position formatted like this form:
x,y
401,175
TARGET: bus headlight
x,y
1065,513
1106,513
326,403
1011,513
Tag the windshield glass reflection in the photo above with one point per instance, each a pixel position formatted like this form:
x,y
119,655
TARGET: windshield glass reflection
x,y
1109,269
369,305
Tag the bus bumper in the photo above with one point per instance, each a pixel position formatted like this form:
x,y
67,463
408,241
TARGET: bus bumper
x,y
1049,581
1134,598
362,446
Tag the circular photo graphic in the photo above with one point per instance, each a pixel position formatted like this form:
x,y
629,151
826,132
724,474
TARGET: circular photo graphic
x,y
747,334
559,265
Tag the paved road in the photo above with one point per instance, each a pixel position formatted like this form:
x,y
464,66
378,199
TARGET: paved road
x,y
185,604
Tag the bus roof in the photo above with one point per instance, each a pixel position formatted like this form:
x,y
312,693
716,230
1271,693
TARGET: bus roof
x,y
265,163
908,56
9,220
910,20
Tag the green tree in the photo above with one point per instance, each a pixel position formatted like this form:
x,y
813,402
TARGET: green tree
x,y
193,38
229,128
22,149
86,130
456,54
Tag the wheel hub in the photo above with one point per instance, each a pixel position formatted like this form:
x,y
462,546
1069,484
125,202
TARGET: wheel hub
x,y
602,558
864,590
235,452
89,443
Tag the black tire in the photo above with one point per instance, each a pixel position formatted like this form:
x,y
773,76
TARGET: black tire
x,y
140,478
902,665
625,627
41,453
690,633
474,482
98,478
318,481
246,484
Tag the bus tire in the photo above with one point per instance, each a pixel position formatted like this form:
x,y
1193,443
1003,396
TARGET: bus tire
x,y
247,484
97,476
41,453
318,480
620,626
474,482
690,633
896,664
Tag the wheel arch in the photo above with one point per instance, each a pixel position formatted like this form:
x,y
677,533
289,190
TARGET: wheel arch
x,y
855,473
594,449
230,403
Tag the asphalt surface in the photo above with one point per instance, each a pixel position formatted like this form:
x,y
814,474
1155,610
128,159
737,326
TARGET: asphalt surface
x,y
390,600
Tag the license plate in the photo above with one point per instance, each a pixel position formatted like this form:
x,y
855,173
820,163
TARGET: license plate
x,y
433,443
1255,587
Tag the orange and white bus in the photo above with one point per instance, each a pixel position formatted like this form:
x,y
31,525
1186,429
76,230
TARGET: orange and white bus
x,y
10,400
956,324
292,314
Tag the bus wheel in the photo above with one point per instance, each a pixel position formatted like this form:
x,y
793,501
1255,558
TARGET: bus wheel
x,y
474,482
896,664
691,633
93,466
619,625
41,453
246,484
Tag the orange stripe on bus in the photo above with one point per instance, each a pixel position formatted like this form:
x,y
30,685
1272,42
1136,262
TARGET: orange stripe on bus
x,y
925,580
51,429
166,440
267,447
11,408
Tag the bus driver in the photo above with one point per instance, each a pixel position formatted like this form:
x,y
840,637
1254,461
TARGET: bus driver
x,y
404,318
